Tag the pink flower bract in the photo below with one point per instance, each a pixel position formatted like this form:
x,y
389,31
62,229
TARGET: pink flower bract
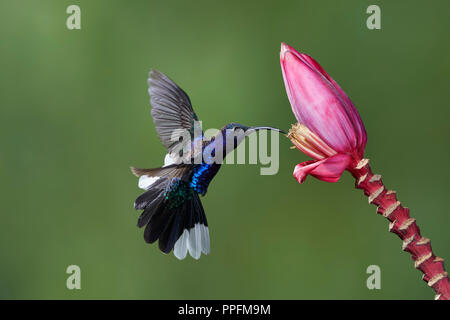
x,y
329,127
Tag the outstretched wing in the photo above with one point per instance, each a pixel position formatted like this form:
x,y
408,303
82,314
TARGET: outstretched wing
x,y
171,110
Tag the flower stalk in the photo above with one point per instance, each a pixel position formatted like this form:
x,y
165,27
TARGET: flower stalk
x,y
331,132
404,227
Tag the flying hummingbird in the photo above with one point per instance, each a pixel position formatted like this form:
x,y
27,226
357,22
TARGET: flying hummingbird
x,y
173,212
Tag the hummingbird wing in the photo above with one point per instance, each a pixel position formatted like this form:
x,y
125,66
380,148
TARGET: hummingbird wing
x,y
171,171
171,110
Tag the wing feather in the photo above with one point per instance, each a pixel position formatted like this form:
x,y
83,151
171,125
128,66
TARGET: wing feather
x,y
171,109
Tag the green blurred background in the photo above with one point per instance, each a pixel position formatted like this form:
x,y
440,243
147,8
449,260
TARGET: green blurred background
x,y
75,115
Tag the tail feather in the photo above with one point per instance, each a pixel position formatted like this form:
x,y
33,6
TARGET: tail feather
x,y
174,215
172,232
150,210
194,234
145,199
157,224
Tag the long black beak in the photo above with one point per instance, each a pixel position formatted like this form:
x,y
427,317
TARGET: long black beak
x,y
254,129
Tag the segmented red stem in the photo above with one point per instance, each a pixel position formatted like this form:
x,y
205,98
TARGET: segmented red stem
x,y
405,227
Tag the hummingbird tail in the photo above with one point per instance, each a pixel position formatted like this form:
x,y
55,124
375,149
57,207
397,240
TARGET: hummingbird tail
x,y
173,212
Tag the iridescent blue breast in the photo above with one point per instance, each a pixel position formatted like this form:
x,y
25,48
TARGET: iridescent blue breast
x,y
202,176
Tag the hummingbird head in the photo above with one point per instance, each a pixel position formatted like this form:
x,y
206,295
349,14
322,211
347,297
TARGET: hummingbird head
x,y
236,132
248,130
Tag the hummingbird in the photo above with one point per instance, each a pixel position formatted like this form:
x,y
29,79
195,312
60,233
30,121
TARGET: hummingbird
x,y
172,209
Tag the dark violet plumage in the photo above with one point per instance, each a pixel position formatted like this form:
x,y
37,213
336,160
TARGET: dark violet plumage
x,y
202,176
172,210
